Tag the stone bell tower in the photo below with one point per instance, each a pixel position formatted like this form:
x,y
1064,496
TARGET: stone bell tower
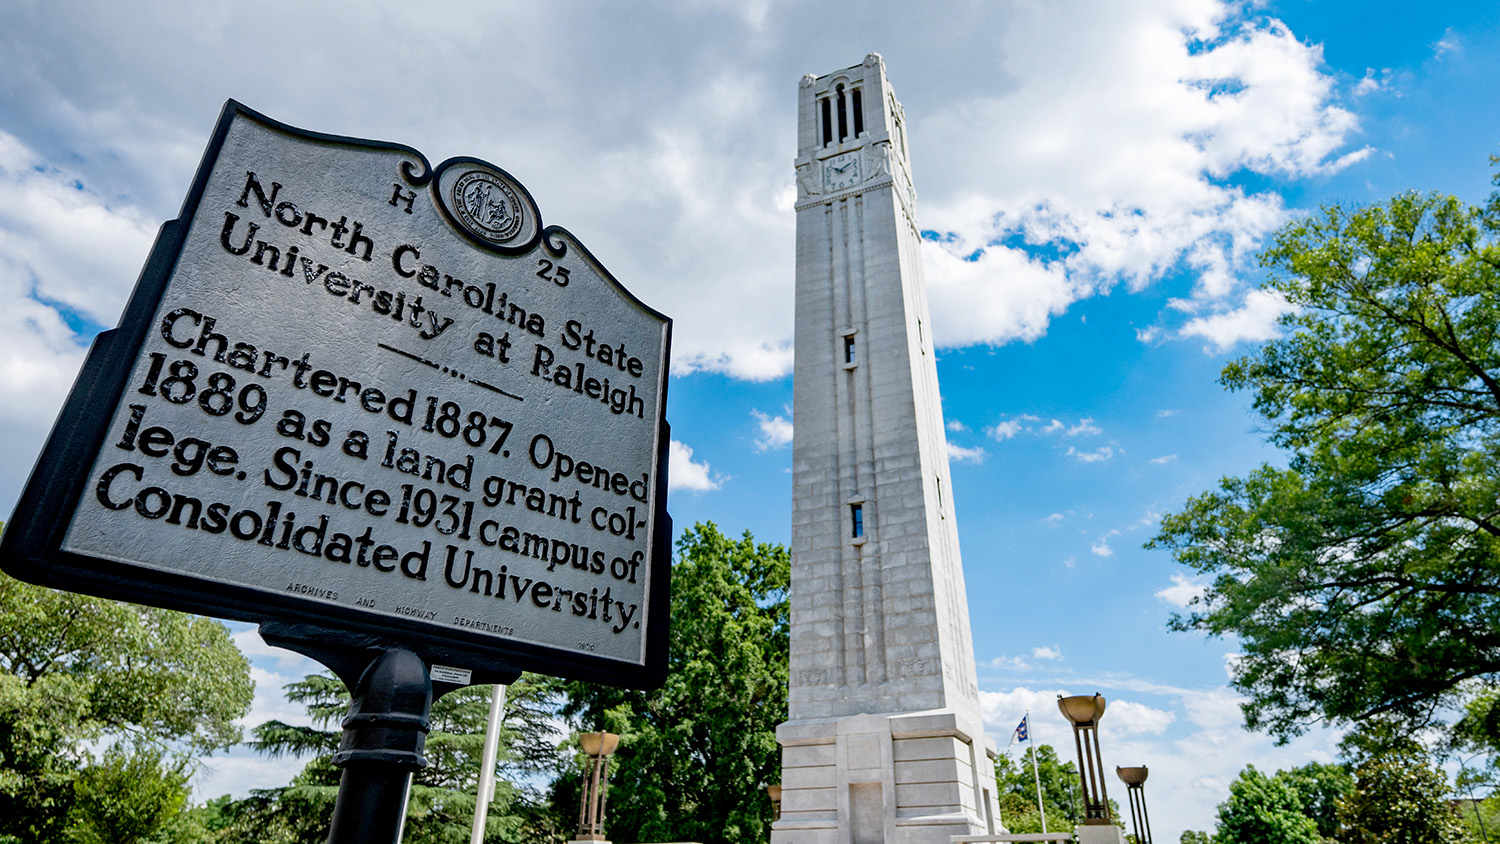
x,y
884,741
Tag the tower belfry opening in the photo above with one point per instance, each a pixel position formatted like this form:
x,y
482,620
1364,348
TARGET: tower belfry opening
x,y
884,741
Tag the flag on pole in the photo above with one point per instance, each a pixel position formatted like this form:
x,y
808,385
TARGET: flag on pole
x,y
1023,731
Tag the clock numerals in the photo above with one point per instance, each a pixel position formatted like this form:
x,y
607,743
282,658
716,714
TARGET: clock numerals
x,y
840,172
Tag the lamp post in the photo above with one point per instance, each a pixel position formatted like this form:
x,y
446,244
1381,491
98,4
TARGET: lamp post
x,y
598,746
1135,779
1083,713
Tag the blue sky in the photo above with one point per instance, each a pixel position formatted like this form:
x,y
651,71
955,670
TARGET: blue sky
x,y
1097,178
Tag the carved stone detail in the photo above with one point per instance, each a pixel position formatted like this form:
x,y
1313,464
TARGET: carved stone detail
x,y
877,160
807,181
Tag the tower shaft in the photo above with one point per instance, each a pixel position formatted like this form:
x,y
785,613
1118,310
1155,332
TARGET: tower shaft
x,y
884,741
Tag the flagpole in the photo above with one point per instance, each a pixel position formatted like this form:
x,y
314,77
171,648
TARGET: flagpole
x,y
487,765
1037,776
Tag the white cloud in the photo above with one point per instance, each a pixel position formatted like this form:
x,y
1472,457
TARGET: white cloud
x,y
1053,520
683,473
1014,663
775,431
1046,652
1002,711
269,703
1372,82
63,251
1183,590
1449,43
1163,101
67,255
1009,428
1253,321
1101,547
1130,718
1214,709
289,663
241,770
1000,295
959,454
1022,424
676,176
1164,459
1098,455
1084,428
957,426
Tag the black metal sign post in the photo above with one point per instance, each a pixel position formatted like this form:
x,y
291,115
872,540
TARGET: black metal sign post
x,y
381,410
384,732
381,748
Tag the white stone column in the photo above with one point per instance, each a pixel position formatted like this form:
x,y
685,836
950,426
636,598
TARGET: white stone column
x,y
884,742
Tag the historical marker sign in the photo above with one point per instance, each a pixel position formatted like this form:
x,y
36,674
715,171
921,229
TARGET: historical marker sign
x,y
357,392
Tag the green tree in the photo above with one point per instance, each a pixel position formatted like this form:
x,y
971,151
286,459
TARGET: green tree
x,y
1480,818
1193,836
1016,788
130,795
1263,810
1363,578
442,801
1477,734
697,754
1399,796
1319,787
103,707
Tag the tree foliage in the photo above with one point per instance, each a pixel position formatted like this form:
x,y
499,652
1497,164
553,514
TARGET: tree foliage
x,y
1363,578
442,801
1399,796
1388,791
1016,787
697,754
1263,810
133,794
103,705
1319,787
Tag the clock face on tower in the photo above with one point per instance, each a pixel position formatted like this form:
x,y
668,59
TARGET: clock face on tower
x,y
841,171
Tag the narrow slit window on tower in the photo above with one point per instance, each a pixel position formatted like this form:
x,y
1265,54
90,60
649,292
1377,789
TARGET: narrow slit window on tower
x,y
857,516
849,356
859,115
941,514
827,121
843,113
900,128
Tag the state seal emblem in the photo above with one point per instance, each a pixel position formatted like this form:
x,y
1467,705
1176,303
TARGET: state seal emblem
x,y
488,207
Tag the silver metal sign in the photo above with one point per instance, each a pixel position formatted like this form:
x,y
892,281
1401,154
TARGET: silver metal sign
x,y
355,391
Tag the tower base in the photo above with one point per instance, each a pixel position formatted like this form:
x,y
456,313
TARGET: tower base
x,y
1101,834
908,778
